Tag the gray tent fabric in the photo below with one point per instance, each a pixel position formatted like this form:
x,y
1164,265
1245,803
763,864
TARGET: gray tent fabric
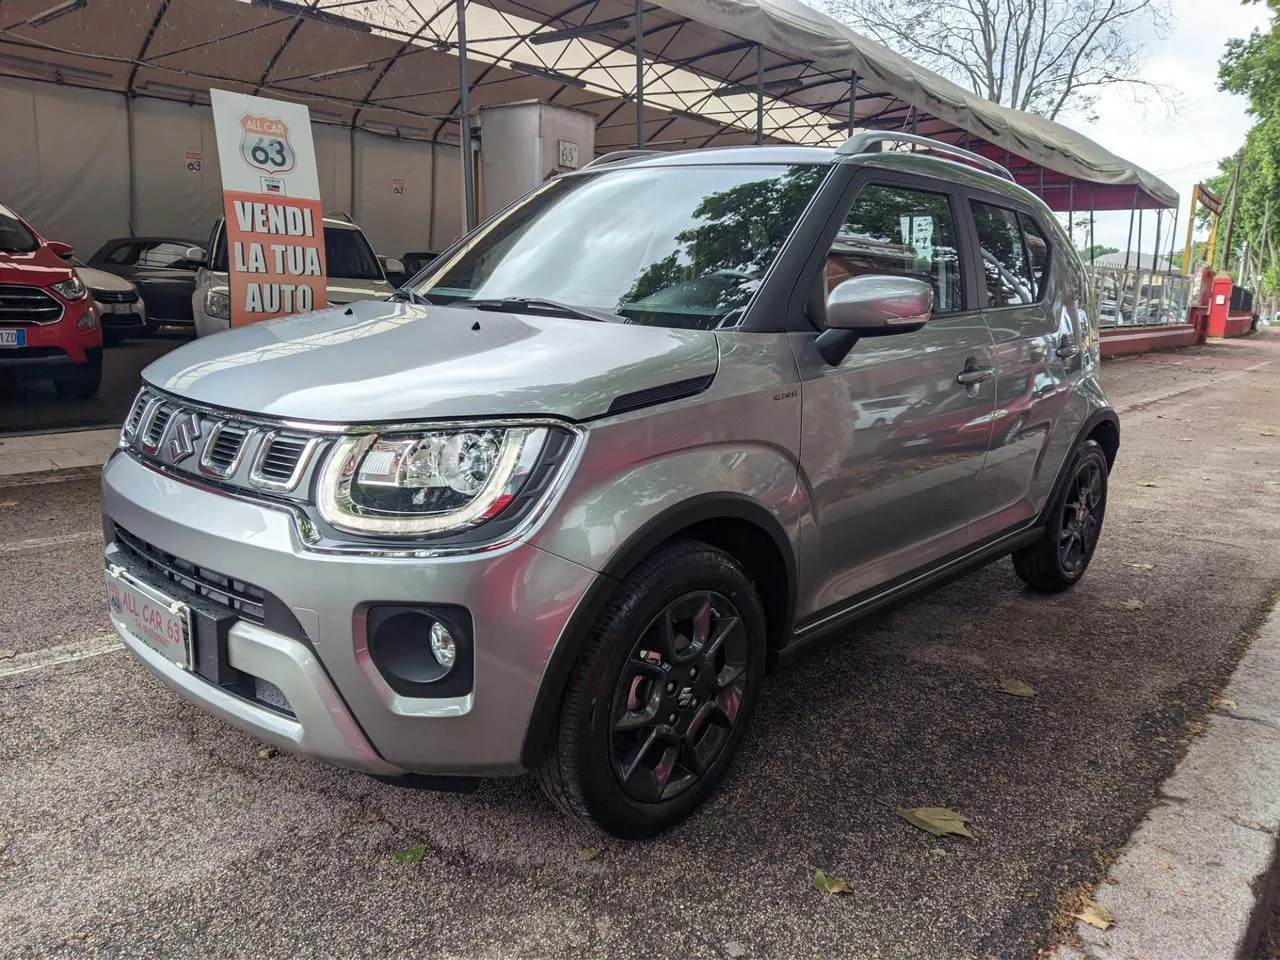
x,y
800,31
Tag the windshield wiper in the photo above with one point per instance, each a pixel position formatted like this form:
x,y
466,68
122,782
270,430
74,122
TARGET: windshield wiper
x,y
405,295
540,305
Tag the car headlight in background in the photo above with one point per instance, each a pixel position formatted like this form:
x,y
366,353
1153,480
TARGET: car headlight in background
x,y
217,304
72,289
407,484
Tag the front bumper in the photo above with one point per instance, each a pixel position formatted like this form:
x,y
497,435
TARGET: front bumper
x,y
520,598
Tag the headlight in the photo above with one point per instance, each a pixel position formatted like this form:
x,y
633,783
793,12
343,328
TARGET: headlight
x,y
217,304
71,289
426,482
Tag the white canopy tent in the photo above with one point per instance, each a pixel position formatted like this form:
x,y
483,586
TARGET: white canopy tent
x,y
104,99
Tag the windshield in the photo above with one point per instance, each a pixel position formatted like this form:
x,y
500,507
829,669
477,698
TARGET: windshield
x,y
667,246
15,237
347,255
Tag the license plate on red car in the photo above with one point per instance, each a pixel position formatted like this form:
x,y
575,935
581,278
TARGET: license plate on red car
x,y
13,338
147,615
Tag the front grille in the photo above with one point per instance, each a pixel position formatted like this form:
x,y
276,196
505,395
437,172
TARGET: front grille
x,y
116,296
244,599
135,413
280,457
155,428
27,305
225,447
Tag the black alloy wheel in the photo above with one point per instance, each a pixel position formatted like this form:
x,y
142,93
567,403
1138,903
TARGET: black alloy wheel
x,y
1081,517
661,694
678,696
1073,525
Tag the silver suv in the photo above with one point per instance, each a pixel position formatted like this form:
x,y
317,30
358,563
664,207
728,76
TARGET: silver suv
x,y
563,503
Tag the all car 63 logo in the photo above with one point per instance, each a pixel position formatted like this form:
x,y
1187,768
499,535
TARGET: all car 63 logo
x,y
265,144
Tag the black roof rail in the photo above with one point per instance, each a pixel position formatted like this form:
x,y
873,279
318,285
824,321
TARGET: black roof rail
x,y
617,155
870,141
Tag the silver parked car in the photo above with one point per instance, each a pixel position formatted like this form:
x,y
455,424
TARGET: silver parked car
x,y
352,270
564,502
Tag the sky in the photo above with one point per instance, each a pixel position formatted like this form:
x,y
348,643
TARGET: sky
x,y
1183,145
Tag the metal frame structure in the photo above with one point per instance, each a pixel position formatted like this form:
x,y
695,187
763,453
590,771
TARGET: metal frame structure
x,y
690,83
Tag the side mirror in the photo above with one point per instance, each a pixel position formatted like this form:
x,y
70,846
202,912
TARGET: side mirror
x,y
872,306
195,255
394,269
64,250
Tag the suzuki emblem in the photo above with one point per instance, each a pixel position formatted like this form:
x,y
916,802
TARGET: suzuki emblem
x,y
184,431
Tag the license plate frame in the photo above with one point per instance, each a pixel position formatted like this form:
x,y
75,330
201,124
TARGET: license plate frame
x,y
150,616
11,339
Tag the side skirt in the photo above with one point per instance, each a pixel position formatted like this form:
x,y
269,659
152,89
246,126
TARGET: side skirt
x,y
827,624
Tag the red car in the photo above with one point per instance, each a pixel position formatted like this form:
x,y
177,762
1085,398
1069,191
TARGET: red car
x,y
47,318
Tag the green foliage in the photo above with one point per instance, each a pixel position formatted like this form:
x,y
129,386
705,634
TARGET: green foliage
x,y
1097,250
1251,68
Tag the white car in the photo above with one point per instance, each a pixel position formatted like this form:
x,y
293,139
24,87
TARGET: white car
x,y
120,306
355,272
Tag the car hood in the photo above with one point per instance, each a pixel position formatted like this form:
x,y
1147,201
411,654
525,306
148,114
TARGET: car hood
x,y
40,268
101,280
374,362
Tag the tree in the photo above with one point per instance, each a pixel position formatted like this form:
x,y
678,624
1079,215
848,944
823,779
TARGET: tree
x,y
1088,254
1251,67
1043,56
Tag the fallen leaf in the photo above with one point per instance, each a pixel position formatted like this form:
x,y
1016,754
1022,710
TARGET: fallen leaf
x,y
1185,439
1268,433
1227,704
1017,688
1148,484
1133,603
1094,914
8,654
589,854
266,753
411,855
371,816
1203,477
939,854
6,504
1139,565
830,884
735,950
937,820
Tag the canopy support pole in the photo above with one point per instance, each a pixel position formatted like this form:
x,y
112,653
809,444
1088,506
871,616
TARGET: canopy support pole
x,y
1071,211
759,94
640,138
1093,244
1156,255
1128,244
464,122
853,100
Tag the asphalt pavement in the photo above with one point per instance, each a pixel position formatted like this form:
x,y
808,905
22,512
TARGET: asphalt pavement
x,y
134,825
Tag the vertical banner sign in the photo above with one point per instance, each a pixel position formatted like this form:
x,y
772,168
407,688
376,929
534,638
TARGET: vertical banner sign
x,y
271,199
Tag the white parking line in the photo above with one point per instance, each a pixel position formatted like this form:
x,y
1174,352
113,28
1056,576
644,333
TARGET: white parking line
x,y
52,656
37,543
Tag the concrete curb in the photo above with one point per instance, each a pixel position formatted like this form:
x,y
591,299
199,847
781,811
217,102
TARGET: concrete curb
x,y
53,475
1189,880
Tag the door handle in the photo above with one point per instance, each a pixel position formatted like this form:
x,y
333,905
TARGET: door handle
x,y
973,375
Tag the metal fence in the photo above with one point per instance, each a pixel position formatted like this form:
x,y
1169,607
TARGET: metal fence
x,y
1138,298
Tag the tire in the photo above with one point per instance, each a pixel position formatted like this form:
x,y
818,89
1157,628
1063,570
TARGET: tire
x,y
1059,559
82,380
635,751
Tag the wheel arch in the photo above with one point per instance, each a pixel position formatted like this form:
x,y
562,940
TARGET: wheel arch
x,y
729,521
1102,426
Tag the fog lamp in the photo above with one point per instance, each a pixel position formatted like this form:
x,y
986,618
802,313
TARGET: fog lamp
x,y
442,646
